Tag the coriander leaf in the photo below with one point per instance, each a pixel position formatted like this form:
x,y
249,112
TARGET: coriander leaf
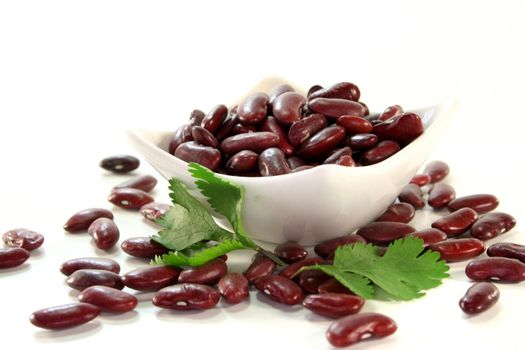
x,y
358,284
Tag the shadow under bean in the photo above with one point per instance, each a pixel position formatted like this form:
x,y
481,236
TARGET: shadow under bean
x,y
71,334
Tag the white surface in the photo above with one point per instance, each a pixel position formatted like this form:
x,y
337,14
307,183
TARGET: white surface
x,y
75,75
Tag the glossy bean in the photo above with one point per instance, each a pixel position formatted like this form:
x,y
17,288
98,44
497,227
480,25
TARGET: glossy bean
x,y
243,129
508,250
479,297
390,112
108,299
253,141
214,118
120,164
461,249
93,263
295,162
242,162
354,124
196,117
181,135
303,129
346,160
150,278
496,269
413,195
259,267
457,222
105,233
313,89
23,238
290,252
129,198
491,225
287,107
290,270
11,257
279,90
253,109
193,152
481,203
280,289
354,328
384,232
270,124
333,286
440,195
226,128
234,288
209,273
361,142
430,236
403,128
437,170
145,183
336,107
338,153
82,279
333,305
398,212
272,161
325,248
143,247
343,90
322,142
381,151
80,221
310,280
420,180
64,316
154,210
187,296
203,137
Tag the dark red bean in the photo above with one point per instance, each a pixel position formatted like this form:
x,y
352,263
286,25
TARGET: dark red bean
x,y
129,198
271,125
481,203
243,129
380,152
72,265
214,118
23,238
287,107
11,257
187,296
143,247
322,142
280,289
440,195
384,232
81,279
196,117
259,267
457,222
354,124
346,160
430,235
226,128
295,162
253,109
290,270
333,286
354,328
399,212
313,89
108,299
193,152
150,278
452,250
420,180
310,280
336,107
120,164
64,316
390,112
507,250
204,137
105,233
413,195
337,154
325,248
242,162
253,141
344,90
303,129
437,170
181,135
403,129
145,183
154,210
491,225
290,252
209,273
234,288
80,221
496,269
279,90
480,297
272,161
362,142
334,305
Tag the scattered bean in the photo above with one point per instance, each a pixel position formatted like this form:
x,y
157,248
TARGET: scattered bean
x,y
23,238
150,278
437,170
290,270
491,225
384,232
108,299
280,289
496,269
507,250
80,221
333,286
460,249
120,164
333,305
187,296
420,180
440,195
145,183
354,328
64,316
413,195
310,280
481,203
72,265
260,266
399,212
82,279
209,273
457,222
130,198
234,288
143,247
480,297
325,248
154,210
11,257
430,236
290,252
105,233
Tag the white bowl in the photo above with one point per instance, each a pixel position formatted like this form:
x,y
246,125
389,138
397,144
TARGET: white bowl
x,y
317,204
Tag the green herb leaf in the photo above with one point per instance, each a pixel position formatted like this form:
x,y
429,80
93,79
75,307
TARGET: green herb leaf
x,y
358,284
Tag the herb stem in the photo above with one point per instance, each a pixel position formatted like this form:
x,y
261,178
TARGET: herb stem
x,y
270,255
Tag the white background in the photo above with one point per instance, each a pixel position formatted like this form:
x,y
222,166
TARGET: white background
x,y
74,75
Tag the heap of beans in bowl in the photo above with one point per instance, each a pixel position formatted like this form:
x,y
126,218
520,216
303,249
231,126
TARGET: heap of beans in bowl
x,y
285,132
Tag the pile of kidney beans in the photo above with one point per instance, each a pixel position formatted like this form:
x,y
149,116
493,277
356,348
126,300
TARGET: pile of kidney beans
x,y
286,132
458,236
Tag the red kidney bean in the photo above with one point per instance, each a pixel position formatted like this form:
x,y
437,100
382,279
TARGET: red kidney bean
x,y
271,125
72,265
143,247
413,195
187,296
337,154
325,248
287,107
272,162
181,135
310,280
496,269
81,279
336,107
354,328
209,273
108,299
481,203
390,112
214,118
362,142
150,278
242,162
120,164
343,90
430,235
322,142
11,257
204,137
313,89
253,141
354,124
403,129
491,225
196,117
64,316
226,128
253,109
243,129
303,129
367,111
380,152
440,195
154,210
295,162
437,170
399,212
452,250
457,222
280,289
129,198
145,183
480,297
193,152
384,232
290,252
234,288
105,233
507,250
279,90
333,286
80,221
290,270
23,238
420,180
260,266
333,305
346,160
